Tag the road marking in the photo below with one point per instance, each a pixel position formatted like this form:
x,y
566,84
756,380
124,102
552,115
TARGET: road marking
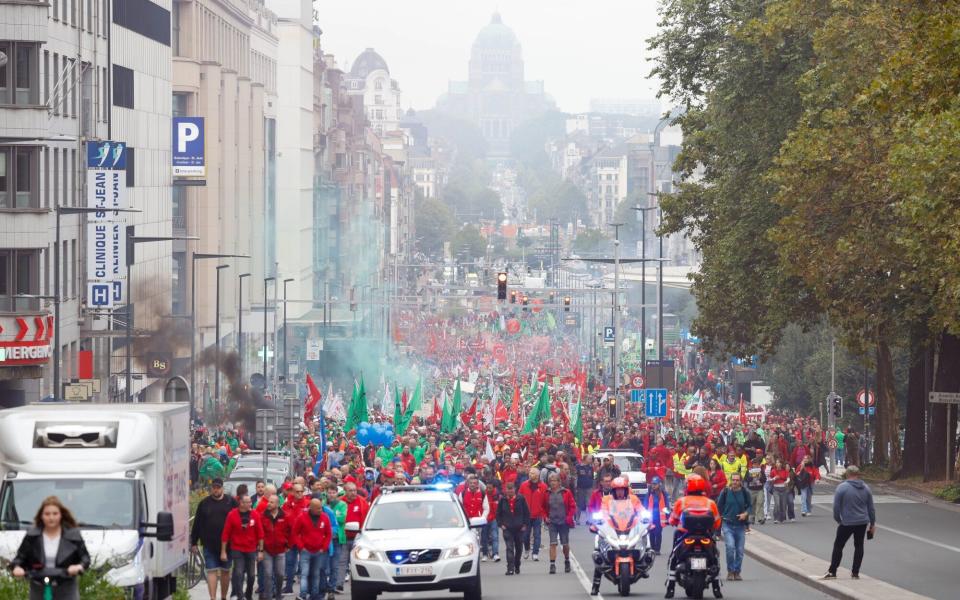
x,y
909,535
585,581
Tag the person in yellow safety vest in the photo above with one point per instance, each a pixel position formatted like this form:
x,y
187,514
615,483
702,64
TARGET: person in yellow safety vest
x,y
731,463
680,470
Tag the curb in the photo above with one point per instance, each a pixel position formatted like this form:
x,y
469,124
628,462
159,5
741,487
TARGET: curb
x,y
798,565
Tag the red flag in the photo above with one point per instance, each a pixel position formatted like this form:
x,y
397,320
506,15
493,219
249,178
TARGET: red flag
x,y
499,413
468,416
743,414
437,412
515,405
313,398
403,400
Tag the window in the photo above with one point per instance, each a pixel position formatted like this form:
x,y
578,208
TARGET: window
x,y
20,73
143,17
180,104
378,99
378,85
122,86
131,167
19,275
19,175
175,27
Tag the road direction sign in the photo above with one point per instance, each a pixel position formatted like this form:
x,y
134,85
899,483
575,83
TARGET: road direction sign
x,y
636,380
656,402
862,398
944,398
636,396
873,410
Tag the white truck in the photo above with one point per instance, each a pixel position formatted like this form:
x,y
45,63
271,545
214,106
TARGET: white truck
x,y
761,394
122,470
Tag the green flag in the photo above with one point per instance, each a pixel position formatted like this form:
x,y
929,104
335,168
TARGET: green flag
x,y
577,425
358,407
540,411
397,409
452,417
412,407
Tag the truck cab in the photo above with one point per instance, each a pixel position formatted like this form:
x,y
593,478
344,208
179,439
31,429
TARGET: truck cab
x,y
121,469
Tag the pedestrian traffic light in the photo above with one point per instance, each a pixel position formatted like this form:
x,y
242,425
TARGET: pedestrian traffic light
x,y
513,297
501,286
837,406
566,304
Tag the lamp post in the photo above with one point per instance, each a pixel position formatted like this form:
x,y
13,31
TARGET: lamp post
x,y
132,241
285,338
642,216
216,327
615,318
266,280
58,211
194,257
243,359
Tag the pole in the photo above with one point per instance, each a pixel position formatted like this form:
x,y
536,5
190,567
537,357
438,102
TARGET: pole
x,y
660,306
286,374
276,371
127,328
193,335
216,326
643,293
266,280
616,319
56,310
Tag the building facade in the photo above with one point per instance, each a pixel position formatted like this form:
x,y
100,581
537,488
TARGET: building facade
x,y
369,77
73,74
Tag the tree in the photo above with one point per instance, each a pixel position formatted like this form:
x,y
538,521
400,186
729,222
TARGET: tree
x,y
738,86
469,242
591,241
562,201
434,224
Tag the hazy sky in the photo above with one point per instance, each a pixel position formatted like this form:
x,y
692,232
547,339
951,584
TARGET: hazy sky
x,y
580,49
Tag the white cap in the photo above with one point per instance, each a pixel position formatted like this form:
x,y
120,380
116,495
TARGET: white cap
x,y
515,455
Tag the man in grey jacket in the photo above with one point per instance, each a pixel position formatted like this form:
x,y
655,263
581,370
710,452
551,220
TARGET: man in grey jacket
x,y
854,513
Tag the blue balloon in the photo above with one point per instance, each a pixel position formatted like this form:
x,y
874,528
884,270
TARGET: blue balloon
x,y
363,437
364,425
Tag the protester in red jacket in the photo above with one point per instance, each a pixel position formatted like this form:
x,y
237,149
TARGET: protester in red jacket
x,y
533,492
243,532
357,508
474,500
276,527
596,498
313,530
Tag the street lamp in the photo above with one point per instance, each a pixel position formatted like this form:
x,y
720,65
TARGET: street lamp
x,y
216,328
243,361
67,210
642,217
266,280
132,241
285,338
194,257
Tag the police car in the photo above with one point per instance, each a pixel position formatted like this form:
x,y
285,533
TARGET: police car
x,y
416,538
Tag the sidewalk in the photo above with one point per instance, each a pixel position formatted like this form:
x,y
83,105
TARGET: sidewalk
x,y
809,569
901,489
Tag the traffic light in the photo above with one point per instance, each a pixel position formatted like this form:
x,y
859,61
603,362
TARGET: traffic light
x,y
501,286
526,301
551,297
613,407
513,297
837,406
566,304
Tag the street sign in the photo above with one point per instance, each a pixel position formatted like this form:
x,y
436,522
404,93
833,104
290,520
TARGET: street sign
x,y
314,347
660,374
862,399
873,410
609,336
636,396
636,380
656,402
944,398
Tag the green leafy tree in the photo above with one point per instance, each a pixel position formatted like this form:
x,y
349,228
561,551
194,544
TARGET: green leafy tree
x,y
469,242
434,224
591,241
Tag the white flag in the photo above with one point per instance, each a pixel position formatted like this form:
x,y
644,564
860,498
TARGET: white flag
x,y
488,453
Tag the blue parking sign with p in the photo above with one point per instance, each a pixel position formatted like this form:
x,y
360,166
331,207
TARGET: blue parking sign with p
x,y
188,146
655,401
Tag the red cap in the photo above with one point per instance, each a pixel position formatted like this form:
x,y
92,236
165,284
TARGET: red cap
x,y
388,474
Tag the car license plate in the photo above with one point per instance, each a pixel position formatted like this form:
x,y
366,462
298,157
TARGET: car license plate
x,y
410,571
698,564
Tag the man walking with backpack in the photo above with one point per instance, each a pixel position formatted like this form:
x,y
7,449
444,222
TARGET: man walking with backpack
x,y
735,505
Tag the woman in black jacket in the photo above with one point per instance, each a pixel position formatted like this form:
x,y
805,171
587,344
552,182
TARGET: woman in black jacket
x,y
53,543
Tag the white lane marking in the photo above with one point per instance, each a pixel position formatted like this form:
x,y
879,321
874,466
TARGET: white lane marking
x,y
908,535
585,581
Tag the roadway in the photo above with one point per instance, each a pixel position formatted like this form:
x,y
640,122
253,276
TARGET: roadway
x,y
759,582
916,546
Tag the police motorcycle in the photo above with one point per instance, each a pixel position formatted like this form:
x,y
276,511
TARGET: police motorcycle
x,y
621,551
